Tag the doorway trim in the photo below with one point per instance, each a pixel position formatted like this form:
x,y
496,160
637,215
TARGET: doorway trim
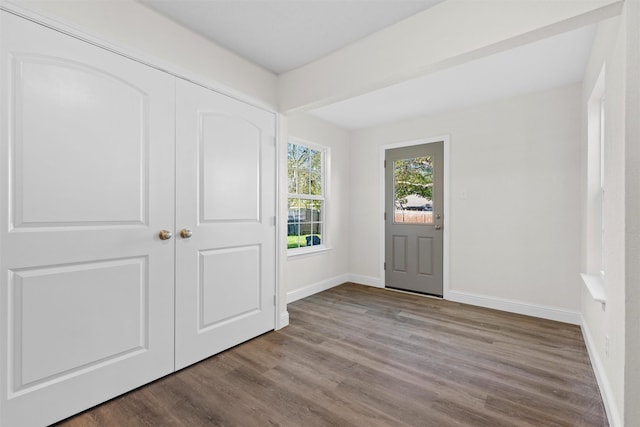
x,y
446,211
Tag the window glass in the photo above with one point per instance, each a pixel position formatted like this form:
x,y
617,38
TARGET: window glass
x,y
305,171
413,190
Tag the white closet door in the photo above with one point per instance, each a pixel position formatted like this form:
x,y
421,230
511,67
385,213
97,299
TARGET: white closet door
x,y
87,182
225,179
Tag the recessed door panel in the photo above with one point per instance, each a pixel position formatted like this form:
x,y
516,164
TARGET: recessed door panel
x,y
425,255
230,165
68,318
86,183
225,270
76,159
229,284
414,210
399,253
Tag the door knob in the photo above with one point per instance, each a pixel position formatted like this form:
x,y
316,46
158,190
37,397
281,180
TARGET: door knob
x,y
185,233
165,235
438,226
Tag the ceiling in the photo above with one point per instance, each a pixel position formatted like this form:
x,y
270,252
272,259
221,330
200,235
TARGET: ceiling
x,y
546,64
281,35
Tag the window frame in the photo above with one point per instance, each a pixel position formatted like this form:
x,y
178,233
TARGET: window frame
x,y
324,165
602,144
595,207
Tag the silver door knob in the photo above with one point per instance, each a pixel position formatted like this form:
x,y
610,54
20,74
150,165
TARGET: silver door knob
x,y
165,235
185,233
438,226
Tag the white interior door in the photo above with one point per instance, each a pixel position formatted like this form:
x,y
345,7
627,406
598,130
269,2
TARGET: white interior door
x,y
225,272
87,182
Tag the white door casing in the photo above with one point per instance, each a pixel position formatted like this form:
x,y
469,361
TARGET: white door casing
x,y
226,186
87,182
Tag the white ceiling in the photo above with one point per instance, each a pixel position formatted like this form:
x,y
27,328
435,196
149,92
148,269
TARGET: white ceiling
x,y
546,64
281,35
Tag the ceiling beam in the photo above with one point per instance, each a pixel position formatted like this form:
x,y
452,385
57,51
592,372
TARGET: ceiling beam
x,y
448,34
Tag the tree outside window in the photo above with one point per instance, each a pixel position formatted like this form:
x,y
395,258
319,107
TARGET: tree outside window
x,y
305,170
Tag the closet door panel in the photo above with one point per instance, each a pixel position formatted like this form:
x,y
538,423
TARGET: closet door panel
x,y
226,198
229,157
87,182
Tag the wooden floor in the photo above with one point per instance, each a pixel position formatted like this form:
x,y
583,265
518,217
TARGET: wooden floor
x,y
361,356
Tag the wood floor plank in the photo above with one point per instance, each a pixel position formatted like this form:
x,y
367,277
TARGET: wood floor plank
x,y
362,356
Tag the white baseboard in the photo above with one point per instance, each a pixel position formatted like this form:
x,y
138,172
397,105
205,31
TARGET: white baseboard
x,y
366,280
283,320
519,307
314,288
601,376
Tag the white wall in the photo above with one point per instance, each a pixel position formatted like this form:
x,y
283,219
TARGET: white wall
x,y
598,322
129,24
617,47
304,275
632,219
514,199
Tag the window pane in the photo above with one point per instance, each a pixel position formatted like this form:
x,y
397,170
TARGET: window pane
x,y
413,190
293,224
304,161
602,141
315,184
305,229
305,210
315,237
292,170
316,161
293,216
316,226
294,203
291,175
309,183
303,182
293,242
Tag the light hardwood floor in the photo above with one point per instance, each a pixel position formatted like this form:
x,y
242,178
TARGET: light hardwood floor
x,y
361,356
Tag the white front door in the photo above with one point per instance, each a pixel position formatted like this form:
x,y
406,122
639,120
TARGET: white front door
x,y
87,182
225,270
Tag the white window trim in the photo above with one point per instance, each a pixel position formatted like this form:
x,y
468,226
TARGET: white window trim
x,y
602,181
594,278
325,165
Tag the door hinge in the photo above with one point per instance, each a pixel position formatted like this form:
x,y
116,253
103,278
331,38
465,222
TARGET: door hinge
x,y
274,300
385,163
385,216
384,265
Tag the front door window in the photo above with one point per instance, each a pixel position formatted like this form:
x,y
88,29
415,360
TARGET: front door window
x,y
413,190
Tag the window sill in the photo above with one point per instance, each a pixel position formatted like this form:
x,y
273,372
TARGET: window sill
x,y
301,253
595,285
